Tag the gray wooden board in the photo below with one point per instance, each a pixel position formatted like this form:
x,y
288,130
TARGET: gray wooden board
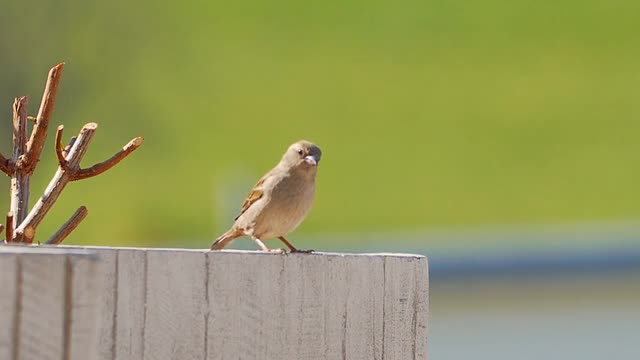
x,y
106,281
194,304
9,273
402,302
47,306
130,303
85,293
41,333
311,307
175,305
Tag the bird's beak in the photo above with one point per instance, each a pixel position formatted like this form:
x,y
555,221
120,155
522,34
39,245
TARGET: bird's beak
x,y
311,160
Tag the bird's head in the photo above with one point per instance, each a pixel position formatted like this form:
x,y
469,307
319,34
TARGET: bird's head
x,y
302,154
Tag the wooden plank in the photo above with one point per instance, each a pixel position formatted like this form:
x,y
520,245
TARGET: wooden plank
x,y
240,325
85,292
400,301
304,315
422,307
241,322
364,323
175,313
42,331
334,299
106,303
337,306
298,306
182,304
130,304
53,311
9,274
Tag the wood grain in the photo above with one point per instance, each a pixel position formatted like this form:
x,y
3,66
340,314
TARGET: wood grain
x,y
223,305
41,335
106,280
9,274
83,304
52,310
321,306
175,305
401,302
131,302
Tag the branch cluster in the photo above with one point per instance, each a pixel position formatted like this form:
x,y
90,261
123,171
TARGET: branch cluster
x,y
21,223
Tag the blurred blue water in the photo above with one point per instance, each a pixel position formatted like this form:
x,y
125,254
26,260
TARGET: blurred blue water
x,y
514,263
601,331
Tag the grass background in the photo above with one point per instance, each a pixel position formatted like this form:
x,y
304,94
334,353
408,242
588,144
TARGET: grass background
x,y
431,114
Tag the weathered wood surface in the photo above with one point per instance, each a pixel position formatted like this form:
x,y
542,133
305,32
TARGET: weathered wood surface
x,y
197,304
48,303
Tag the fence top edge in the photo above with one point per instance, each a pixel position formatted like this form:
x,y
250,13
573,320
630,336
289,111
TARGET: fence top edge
x,y
246,252
9,249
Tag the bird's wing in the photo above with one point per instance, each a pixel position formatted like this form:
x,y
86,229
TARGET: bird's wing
x,y
255,194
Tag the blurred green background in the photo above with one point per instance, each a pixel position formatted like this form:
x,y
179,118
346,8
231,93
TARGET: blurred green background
x,y
448,127
431,114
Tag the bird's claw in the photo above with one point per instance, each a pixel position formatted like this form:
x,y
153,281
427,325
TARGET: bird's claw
x,y
299,251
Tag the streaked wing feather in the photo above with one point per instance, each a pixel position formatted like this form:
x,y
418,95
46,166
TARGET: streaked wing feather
x,y
255,194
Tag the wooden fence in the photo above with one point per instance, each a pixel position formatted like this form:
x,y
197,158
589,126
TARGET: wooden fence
x,y
132,303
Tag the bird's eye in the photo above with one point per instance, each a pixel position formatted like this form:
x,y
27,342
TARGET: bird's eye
x,y
300,152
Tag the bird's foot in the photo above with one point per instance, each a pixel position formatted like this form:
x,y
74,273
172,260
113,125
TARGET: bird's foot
x,y
302,251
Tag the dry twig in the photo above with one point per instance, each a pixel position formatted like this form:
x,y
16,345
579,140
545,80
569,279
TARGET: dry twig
x,y
101,167
68,171
6,165
9,234
59,149
58,182
39,133
67,147
26,154
20,179
68,227
22,224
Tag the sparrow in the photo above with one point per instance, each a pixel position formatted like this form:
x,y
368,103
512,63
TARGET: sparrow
x,y
280,200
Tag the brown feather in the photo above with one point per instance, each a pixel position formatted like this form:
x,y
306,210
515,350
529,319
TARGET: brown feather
x,y
254,195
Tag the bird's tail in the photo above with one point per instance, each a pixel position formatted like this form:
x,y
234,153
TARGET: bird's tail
x,y
226,239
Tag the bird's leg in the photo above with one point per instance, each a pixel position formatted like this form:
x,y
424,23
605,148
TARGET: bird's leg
x,y
266,249
293,248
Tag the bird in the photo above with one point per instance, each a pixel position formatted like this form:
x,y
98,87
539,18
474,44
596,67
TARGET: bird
x,y
279,201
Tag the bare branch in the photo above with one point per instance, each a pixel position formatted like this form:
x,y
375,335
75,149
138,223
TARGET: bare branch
x,y
59,181
29,234
69,226
10,227
6,165
66,149
20,179
58,145
39,133
21,224
99,168
20,126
